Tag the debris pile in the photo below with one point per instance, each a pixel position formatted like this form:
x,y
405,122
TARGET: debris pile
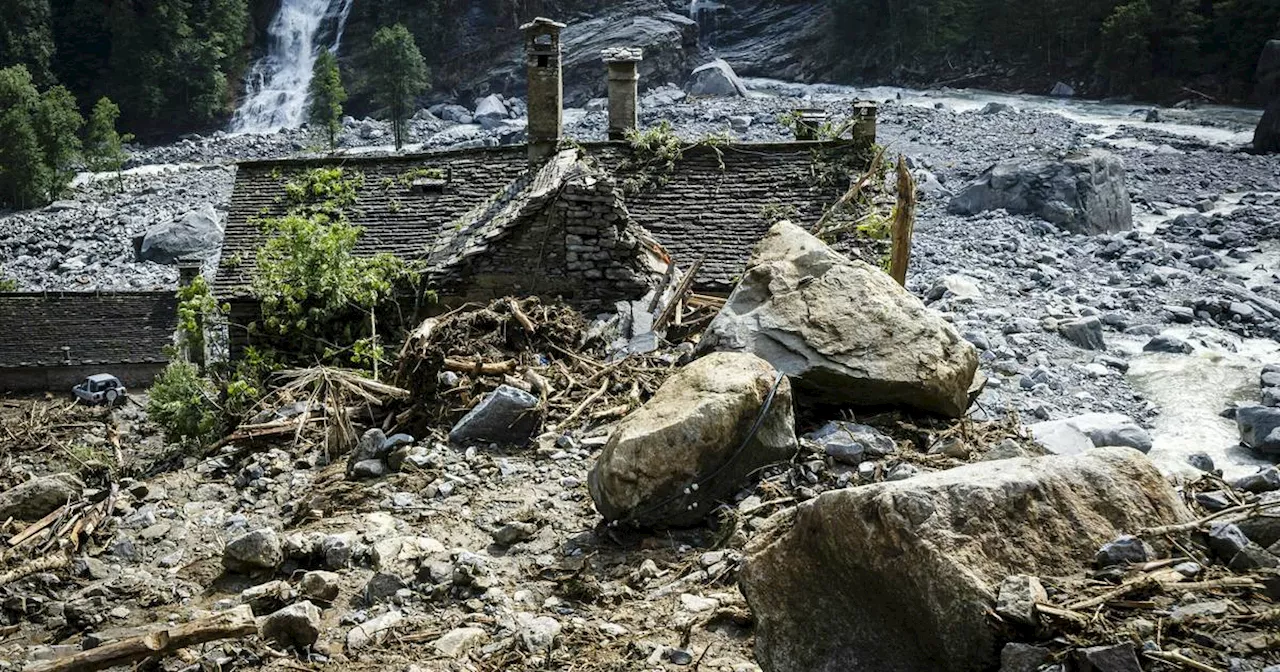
x,y
1203,594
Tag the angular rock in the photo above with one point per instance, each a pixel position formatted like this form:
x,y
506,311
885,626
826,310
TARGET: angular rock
x,y
321,586
1111,429
1062,90
403,556
1259,428
1085,332
843,330
491,111
1016,601
1266,480
1266,137
716,78
507,415
1226,540
297,626
655,468
457,642
851,443
1267,74
256,551
859,578
536,633
1110,658
372,631
1168,343
34,499
1016,657
1084,193
268,597
371,446
1060,438
1123,550
196,234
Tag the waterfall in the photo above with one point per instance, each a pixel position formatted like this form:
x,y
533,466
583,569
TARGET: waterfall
x,y
276,86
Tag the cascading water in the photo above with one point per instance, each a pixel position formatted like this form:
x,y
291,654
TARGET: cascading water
x,y
276,86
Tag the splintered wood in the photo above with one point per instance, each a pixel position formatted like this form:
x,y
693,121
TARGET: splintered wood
x,y
542,348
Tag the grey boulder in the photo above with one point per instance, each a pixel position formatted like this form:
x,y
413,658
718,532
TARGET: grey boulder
x,y
695,442
843,330
1259,428
1084,193
196,234
716,78
508,416
851,443
34,499
1100,430
258,550
859,578
297,626
1085,332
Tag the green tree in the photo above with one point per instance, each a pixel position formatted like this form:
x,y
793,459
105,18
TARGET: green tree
x,y
26,37
103,145
182,403
1125,60
400,76
327,96
58,123
25,177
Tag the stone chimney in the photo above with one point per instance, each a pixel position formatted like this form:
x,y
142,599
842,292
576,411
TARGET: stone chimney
x,y
808,121
623,89
546,90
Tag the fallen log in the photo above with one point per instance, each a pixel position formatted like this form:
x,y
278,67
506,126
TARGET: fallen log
x,y
237,622
479,367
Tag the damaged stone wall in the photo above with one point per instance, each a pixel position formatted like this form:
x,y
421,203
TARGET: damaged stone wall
x,y
582,246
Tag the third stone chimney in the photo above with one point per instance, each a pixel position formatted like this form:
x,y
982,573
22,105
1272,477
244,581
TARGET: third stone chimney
x,y
546,90
623,89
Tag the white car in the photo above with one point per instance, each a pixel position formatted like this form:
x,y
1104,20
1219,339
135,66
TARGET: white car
x,y
101,388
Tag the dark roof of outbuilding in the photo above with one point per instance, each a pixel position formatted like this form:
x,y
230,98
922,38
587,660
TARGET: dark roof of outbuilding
x,y
712,204
95,328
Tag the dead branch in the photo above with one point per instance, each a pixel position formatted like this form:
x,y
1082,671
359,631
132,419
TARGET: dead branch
x,y
1127,588
1233,514
480,368
686,283
1176,658
40,564
903,224
520,316
237,622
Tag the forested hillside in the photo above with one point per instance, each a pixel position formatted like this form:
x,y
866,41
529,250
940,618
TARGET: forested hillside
x,y
1145,48
178,65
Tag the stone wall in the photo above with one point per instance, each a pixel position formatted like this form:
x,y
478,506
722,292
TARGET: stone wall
x,y
59,379
583,246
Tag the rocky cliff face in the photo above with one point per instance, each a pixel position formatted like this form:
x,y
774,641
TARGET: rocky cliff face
x,y
474,48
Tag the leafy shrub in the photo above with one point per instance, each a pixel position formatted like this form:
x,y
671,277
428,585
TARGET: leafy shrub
x,y
182,403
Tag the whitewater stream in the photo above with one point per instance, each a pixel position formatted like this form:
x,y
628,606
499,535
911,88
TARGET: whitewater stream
x,y
276,86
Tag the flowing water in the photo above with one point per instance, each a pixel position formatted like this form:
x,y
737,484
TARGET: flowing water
x,y
276,86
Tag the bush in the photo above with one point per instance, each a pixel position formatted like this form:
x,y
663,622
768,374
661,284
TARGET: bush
x,y
182,403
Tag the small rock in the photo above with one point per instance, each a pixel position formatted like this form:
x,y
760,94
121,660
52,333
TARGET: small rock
x,y
1126,549
1117,658
513,533
1226,540
457,642
1168,343
372,631
1016,657
851,443
537,633
257,550
1086,333
696,603
320,586
1201,461
296,626
507,416
1018,597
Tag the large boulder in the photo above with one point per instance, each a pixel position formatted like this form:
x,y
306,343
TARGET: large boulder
x,y
1266,137
1085,193
695,442
1268,73
901,576
1099,430
716,78
1259,428
843,330
38,497
507,415
197,234
491,111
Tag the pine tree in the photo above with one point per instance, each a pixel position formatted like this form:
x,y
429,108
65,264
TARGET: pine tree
x,y
401,74
103,147
327,96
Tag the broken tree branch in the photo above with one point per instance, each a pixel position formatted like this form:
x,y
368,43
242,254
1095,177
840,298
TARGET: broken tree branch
x,y
686,283
237,622
904,218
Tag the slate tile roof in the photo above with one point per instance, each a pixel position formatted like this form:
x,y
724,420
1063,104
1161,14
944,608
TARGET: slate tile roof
x,y
711,205
96,328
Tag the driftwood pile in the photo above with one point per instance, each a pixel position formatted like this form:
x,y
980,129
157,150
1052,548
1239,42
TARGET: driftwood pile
x,y
452,361
1188,610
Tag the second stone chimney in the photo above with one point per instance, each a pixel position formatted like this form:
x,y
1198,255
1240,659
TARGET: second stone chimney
x,y
546,90
623,89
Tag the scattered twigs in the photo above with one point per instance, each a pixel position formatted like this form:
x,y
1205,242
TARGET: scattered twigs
x,y
1233,514
850,196
586,402
236,622
904,217
1127,588
1177,658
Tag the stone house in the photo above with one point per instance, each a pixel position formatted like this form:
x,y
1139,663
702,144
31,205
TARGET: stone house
x,y
66,336
592,223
